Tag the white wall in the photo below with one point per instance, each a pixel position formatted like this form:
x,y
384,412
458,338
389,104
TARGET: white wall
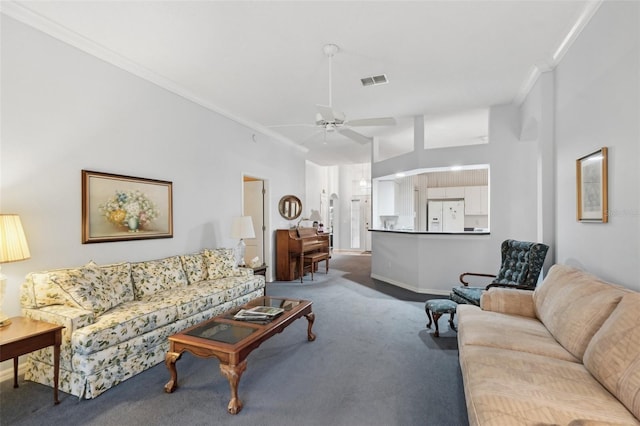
x,y
316,184
64,110
598,104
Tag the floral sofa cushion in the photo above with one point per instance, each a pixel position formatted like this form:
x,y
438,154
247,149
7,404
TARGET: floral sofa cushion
x,y
221,263
154,276
121,324
85,288
117,280
192,299
195,266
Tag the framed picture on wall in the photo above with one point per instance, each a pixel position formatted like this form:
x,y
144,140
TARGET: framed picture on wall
x,y
591,177
120,208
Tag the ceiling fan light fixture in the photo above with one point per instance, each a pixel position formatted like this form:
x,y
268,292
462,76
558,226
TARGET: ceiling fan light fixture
x,y
374,80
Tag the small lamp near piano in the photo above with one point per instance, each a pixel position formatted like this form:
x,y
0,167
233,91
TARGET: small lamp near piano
x,y
241,228
315,217
13,247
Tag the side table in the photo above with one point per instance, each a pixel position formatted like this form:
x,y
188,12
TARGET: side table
x,y
260,270
25,335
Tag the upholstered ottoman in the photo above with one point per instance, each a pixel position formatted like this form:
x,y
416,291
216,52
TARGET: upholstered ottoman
x,y
438,307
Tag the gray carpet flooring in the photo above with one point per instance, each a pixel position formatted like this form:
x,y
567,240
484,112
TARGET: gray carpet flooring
x,y
373,363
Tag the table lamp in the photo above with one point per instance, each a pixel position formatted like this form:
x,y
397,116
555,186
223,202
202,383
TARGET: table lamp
x,y
242,227
13,247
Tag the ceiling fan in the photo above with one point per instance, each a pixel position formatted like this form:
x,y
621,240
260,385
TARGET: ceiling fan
x,y
330,120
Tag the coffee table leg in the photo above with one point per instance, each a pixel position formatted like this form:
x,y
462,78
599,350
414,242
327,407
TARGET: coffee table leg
x,y
170,362
310,317
233,374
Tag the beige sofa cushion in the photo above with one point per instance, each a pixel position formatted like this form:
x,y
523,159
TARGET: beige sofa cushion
x,y
573,305
504,387
497,330
613,355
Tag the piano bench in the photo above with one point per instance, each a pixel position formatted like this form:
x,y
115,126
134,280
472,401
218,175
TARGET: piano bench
x,y
312,261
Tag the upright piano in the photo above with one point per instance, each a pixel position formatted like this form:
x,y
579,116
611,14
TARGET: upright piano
x,y
291,247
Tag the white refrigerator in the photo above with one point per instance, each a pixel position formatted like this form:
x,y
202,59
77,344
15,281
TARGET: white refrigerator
x,y
445,216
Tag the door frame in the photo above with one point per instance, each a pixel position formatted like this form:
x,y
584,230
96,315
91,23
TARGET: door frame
x,y
266,241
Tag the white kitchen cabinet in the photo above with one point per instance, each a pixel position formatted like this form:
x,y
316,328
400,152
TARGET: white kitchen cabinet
x,y
443,193
386,198
436,193
476,200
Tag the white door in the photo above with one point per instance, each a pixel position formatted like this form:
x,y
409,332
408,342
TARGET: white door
x,y
254,207
366,223
356,217
360,222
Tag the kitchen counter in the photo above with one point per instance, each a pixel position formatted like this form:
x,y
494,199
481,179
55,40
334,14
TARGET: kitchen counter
x,y
411,231
431,262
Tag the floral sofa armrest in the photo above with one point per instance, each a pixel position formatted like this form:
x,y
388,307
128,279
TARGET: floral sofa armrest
x,y
71,318
508,301
245,272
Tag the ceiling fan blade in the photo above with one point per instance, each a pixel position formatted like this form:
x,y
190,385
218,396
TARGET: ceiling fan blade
x,y
381,121
292,125
311,136
352,134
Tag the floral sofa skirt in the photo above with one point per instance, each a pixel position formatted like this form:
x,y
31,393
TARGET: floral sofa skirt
x,y
118,317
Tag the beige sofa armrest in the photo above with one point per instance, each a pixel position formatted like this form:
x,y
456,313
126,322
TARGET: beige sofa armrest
x,y
508,301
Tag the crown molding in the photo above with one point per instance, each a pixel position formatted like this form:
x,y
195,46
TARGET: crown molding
x,y
589,10
60,32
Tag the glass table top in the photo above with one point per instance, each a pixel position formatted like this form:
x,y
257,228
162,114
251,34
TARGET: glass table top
x,y
275,302
233,333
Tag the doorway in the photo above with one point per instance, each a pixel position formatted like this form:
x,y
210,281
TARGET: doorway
x,y
360,223
254,196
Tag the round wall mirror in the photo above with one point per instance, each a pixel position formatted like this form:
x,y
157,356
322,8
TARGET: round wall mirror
x,y
290,207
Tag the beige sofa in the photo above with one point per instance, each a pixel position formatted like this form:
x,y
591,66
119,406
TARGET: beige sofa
x,y
117,317
566,354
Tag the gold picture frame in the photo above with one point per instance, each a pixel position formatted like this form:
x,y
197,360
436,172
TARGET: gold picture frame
x,y
122,208
591,178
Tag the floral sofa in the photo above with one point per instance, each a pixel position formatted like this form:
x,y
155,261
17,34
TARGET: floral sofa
x,y
567,353
117,317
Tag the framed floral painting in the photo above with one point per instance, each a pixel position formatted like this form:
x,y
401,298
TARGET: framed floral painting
x,y
120,208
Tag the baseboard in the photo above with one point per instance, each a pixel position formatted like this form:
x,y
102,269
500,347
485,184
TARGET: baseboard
x,y
438,292
7,373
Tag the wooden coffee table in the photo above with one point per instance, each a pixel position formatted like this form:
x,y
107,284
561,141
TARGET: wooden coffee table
x,y
231,341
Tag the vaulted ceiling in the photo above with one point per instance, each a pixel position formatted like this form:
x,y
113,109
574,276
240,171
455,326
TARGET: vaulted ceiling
x,y
262,62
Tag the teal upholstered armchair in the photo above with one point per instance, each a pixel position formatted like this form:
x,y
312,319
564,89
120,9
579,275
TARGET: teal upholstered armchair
x,y
521,265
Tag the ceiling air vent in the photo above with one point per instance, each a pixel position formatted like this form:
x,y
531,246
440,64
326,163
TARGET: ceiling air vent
x,y
375,80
